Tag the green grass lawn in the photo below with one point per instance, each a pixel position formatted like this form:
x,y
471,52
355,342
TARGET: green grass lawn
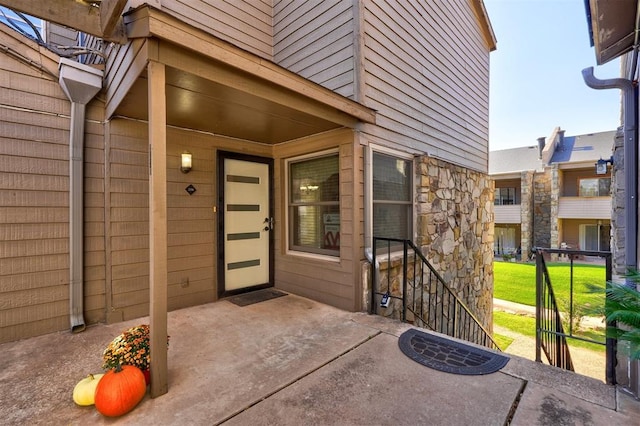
x,y
502,341
527,326
516,282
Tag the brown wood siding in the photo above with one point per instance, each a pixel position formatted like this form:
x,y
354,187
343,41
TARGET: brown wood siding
x,y
34,231
191,220
427,75
334,283
316,41
245,23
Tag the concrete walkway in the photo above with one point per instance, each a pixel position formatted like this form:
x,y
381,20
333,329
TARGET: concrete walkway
x,y
292,361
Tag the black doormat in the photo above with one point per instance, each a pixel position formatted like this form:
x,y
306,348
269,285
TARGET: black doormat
x,y
256,297
449,356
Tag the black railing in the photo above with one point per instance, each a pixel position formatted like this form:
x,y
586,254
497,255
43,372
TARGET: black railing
x,y
551,336
412,287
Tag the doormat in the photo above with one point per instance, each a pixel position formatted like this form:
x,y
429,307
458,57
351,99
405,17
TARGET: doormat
x,y
449,356
256,297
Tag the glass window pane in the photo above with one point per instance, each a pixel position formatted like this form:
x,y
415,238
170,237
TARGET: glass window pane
x,y
604,187
588,187
314,180
391,220
391,178
314,207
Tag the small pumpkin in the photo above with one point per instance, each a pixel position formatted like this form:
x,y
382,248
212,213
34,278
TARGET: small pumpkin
x,y
85,390
120,390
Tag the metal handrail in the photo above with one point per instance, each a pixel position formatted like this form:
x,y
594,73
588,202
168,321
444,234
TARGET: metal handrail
x,y
431,303
551,337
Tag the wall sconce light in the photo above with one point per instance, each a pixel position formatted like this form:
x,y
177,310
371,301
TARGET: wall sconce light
x,y
601,166
185,162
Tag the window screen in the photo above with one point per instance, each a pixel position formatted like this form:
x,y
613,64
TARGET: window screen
x,y
392,205
314,205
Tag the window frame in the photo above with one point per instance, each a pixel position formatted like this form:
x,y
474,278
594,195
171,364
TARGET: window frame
x,y
410,158
302,251
499,200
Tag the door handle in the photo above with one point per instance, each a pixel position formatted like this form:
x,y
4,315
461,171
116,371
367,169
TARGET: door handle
x,y
269,223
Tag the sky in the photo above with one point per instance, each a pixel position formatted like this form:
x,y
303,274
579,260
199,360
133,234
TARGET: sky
x,y
535,76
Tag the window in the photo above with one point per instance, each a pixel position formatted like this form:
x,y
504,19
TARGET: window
x,y
595,187
505,196
392,202
314,205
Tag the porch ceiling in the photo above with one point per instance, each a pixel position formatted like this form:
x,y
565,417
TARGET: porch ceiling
x,y
215,87
197,103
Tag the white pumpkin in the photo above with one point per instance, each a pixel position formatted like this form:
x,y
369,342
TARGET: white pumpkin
x,y
84,392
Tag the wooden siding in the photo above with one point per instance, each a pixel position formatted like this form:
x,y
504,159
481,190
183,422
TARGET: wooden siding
x,y
34,197
584,208
317,41
192,225
427,74
331,282
245,23
507,214
58,35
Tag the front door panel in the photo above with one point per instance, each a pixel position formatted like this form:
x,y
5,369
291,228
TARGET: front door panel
x,y
247,224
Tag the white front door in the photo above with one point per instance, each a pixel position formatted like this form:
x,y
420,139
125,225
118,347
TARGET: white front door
x,y
247,224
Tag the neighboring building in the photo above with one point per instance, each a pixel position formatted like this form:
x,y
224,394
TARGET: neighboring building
x,y
549,195
311,126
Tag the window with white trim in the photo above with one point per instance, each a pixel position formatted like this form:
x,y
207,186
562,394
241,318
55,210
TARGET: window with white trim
x,y
314,204
392,197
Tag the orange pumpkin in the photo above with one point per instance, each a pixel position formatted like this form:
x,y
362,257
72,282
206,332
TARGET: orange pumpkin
x,y
120,390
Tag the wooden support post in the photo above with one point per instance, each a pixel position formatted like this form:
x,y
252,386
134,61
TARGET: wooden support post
x,y
158,227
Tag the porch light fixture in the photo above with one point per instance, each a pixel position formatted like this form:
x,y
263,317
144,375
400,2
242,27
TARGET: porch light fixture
x,y
601,166
185,162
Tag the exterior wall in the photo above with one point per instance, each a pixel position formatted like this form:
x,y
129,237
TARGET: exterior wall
x,y
57,35
455,230
192,225
526,214
317,41
34,197
426,72
244,23
556,185
335,281
618,222
542,210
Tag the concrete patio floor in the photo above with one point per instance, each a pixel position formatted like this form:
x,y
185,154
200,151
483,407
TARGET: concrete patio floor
x,y
293,361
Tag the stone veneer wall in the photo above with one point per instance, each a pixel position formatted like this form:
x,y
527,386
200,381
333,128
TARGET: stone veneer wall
x,y
617,206
526,213
455,230
541,210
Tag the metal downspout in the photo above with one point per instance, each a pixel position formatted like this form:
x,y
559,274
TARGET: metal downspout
x,y
631,159
80,83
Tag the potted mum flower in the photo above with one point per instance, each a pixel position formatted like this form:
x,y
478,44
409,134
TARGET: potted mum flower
x,y
130,348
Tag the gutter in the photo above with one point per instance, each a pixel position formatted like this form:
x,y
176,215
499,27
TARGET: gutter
x,y
631,158
80,83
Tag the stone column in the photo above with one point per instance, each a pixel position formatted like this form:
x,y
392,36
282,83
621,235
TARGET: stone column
x,y
617,206
526,213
